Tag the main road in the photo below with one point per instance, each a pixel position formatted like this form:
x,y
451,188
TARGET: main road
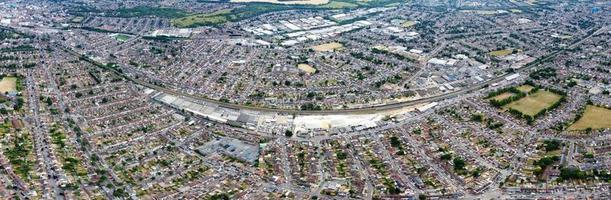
x,y
362,110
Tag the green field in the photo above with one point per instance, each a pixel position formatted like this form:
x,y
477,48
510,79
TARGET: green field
x,y
534,103
207,19
77,19
525,88
332,46
594,117
499,53
306,68
8,84
339,5
408,23
121,37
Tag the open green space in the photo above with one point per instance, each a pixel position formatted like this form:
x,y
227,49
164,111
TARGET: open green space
x,y
503,96
594,117
121,37
306,68
206,19
332,46
6,33
408,23
499,53
8,84
525,88
77,19
19,152
339,5
532,104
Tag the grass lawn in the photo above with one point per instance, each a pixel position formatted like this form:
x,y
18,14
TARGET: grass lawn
x,y
594,117
408,24
552,153
499,53
8,84
486,12
306,68
328,47
525,88
503,96
121,37
532,104
205,19
339,5
77,19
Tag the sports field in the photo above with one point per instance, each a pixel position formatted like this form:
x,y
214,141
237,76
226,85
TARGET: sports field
x,y
408,23
534,103
594,117
8,84
77,19
499,53
503,96
328,47
306,68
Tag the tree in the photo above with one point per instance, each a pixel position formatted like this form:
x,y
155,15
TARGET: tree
x,y
589,155
572,173
394,142
288,133
459,164
119,192
477,117
551,145
476,173
446,156
341,155
546,161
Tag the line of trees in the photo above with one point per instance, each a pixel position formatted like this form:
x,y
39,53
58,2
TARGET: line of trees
x,y
517,94
15,66
502,102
